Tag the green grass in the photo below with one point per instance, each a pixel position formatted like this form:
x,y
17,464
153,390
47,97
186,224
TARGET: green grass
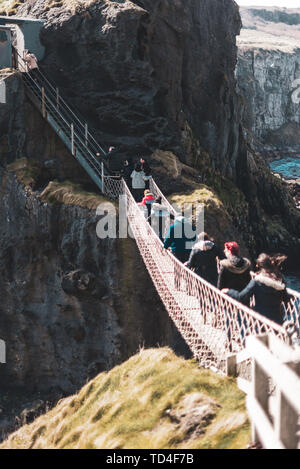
x,y
129,407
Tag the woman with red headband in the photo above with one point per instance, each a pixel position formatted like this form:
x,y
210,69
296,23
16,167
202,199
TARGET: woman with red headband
x,y
234,271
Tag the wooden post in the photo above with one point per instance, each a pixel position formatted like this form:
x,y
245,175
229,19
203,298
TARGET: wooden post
x,y
72,139
287,420
231,365
260,388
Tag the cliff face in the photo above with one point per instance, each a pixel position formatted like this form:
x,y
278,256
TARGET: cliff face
x,y
151,66
268,74
71,305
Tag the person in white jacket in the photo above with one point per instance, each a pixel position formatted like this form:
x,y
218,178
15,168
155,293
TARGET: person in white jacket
x,y
138,182
159,216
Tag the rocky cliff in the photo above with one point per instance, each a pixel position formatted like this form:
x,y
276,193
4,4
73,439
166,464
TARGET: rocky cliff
x,y
268,74
154,78
71,303
161,78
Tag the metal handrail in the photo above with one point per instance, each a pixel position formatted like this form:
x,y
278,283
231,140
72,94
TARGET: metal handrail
x,y
61,99
50,104
96,146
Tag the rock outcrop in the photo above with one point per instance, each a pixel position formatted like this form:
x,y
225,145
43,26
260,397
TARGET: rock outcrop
x,y
139,70
268,74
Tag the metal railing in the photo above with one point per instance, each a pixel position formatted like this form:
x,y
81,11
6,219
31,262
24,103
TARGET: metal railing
x,y
66,124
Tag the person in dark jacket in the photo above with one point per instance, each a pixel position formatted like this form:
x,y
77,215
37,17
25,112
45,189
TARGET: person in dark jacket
x,y
268,288
126,172
203,258
179,238
234,271
147,170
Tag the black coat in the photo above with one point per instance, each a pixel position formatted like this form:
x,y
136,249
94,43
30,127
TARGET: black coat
x,y
205,263
126,172
234,273
268,293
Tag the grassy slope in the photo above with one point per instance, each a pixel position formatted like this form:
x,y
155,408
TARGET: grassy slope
x,y
66,192
130,407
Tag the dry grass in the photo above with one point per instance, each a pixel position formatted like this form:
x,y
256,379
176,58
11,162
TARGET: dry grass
x,y
27,171
129,407
218,203
68,193
73,6
257,33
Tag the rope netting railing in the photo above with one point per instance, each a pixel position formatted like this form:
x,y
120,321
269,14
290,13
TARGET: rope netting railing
x,y
212,324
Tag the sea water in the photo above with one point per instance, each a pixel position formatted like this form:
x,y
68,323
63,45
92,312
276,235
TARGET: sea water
x,y
289,168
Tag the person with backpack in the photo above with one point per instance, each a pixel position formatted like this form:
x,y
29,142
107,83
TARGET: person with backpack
x,y
203,258
234,271
147,201
267,286
178,240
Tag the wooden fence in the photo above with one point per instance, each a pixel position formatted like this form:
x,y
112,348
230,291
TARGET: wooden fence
x,y
273,392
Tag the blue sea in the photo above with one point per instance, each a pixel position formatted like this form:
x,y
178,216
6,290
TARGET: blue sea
x,y
289,168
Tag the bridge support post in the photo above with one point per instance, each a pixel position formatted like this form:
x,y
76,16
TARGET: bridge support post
x,y
86,134
72,139
231,365
57,98
102,177
43,103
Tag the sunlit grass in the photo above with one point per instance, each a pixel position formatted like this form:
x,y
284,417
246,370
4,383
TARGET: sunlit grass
x,y
129,407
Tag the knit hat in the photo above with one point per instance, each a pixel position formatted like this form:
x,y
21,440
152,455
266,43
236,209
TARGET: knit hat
x,y
233,248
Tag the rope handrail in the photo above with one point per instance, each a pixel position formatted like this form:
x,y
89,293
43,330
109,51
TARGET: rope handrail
x,y
212,323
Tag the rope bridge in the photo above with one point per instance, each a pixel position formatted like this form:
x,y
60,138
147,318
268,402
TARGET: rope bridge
x,y
212,324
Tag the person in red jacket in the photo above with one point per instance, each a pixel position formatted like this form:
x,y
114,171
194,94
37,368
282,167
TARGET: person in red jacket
x,y
147,201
